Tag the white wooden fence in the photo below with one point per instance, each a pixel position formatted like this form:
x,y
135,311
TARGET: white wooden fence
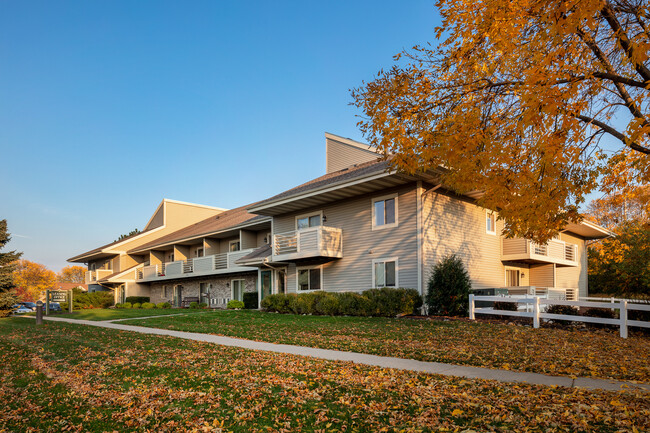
x,y
538,306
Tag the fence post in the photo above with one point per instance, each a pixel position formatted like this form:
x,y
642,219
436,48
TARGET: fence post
x,y
471,307
624,319
536,312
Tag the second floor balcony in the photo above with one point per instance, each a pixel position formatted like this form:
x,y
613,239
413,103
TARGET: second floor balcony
x,y
96,275
209,265
555,251
313,242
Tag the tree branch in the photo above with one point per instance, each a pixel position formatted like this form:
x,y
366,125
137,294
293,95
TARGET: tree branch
x,y
624,41
605,127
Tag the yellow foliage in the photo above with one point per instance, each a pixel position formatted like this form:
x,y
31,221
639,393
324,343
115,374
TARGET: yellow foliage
x,y
514,103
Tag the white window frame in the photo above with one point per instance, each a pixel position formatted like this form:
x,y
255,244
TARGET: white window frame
x,y
384,260
165,294
242,286
490,215
302,268
171,257
394,196
307,215
196,252
230,245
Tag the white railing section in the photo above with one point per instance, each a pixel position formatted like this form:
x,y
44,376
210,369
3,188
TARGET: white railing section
x,y
539,305
560,293
195,266
97,275
314,240
553,249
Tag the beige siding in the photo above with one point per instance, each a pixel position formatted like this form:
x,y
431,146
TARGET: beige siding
x,y
362,244
261,235
573,276
542,275
341,155
248,239
224,244
453,226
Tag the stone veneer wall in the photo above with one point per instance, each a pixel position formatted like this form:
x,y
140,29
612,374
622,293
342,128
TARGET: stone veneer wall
x,y
218,289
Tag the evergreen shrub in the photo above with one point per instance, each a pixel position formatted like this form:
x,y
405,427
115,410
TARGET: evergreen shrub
x,y
448,288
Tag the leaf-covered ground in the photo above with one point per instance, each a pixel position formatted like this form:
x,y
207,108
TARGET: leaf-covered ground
x,y
591,353
66,377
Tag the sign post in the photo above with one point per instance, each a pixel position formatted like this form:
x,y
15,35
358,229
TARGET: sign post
x,y
70,302
47,302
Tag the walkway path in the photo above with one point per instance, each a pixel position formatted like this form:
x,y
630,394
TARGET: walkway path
x,y
379,361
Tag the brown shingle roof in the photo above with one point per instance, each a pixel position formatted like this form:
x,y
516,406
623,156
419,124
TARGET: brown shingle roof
x,y
223,221
346,174
259,253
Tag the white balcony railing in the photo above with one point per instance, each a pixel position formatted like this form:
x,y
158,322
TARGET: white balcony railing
x,y
92,276
554,251
217,263
312,242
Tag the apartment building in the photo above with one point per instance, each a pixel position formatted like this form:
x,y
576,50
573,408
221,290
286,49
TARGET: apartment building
x,y
360,225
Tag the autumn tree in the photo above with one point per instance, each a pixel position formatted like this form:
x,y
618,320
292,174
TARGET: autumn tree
x,y
7,259
535,103
621,265
33,278
72,274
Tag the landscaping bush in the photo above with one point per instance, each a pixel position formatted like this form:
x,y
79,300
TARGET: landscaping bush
x,y
505,306
138,299
163,305
448,288
136,305
119,305
194,305
605,313
148,305
387,302
384,302
566,310
84,300
203,305
250,300
235,305
127,305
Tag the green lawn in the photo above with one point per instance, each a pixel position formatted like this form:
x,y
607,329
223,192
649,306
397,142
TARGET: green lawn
x,y
596,353
67,377
112,314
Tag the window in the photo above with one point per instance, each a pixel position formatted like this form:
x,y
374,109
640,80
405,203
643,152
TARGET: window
x,y
198,252
233,246
309,279
92,267
165,292
306,221
170,257
384,273
490,222
384,212
238,287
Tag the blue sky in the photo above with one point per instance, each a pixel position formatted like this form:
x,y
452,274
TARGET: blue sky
x,y
107,107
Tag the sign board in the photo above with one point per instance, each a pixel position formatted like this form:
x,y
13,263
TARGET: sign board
x,y
58,296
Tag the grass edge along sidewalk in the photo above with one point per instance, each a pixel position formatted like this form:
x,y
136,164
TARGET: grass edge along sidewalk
x,y
70,377
381,361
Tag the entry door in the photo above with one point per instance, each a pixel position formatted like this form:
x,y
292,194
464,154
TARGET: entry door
x,y
178,295
122,294
266,283
282,281
204,293
512,277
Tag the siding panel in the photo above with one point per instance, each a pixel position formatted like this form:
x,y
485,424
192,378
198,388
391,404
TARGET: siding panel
x,y
341,155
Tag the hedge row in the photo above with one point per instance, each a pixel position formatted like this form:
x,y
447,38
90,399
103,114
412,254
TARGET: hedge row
x,y
384,302
84,300
144,305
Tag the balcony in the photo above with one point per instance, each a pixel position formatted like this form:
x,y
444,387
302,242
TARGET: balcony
x,y
209,265
92,276
523,250
308,243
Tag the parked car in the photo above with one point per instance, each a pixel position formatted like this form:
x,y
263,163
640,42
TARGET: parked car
x,y
55,306
22,310
30,305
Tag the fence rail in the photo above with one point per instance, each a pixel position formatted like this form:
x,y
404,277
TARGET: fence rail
x,y
539,313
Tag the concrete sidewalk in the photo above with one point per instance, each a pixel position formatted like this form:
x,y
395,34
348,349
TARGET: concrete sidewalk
x,y
378,361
